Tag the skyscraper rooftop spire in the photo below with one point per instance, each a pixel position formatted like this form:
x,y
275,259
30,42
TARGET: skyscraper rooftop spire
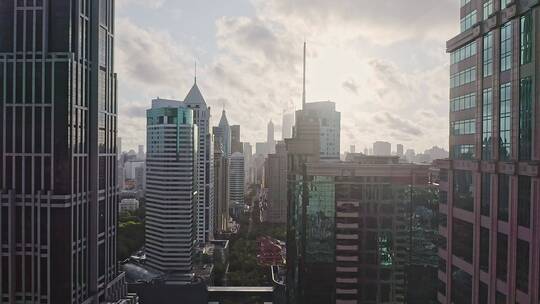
x,y
304,79
195,71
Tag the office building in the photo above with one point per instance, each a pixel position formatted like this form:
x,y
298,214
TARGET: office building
x,y
248,162
221,190
140,153
287,125
205,205
410,155
329,126
171,187
276,183
348,232
399,150
58,154
236,144
128,205
382,148
270,139
489,187
222,133
236,179
261,148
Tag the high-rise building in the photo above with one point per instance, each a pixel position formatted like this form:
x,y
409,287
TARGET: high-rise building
x,y
382,148
171,187
205,205
140,153
58,153
221,190
276,183
287,125
399,150
248,162
489,187
352,149
270,139
347,230
236,144
410,155
236,178
223,133
119,147
330,128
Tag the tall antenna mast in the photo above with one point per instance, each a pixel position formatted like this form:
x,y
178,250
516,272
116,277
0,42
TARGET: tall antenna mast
x,y
304,80
195,71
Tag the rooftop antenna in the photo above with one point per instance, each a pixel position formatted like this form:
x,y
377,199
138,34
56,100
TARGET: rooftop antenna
x,y
304,80
195,71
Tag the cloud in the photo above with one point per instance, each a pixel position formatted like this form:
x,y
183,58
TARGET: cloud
x,y
152,4
351,86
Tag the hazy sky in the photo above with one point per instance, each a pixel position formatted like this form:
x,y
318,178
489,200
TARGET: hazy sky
x,y
382,62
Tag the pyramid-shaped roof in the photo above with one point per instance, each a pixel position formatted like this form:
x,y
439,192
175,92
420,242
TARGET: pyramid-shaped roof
x,y
223,122
194,96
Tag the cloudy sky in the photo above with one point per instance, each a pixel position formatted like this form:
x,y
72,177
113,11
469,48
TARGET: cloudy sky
x,y
382,62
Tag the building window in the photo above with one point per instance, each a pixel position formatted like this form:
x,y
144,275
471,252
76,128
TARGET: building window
x,y
461,286
468,21
505,144
483,293
525,119
463,2
506,47
464,77
502,256
487,124
443,197
524,201
504,3
463,190
462,151
526,38
463,53
488,54
485,207
522,265
464,102
463,127
462,243
488,9
484,249
504,192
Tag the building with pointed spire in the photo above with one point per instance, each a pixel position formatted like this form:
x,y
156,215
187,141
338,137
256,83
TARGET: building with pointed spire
x,y
270,139
223,133
205,204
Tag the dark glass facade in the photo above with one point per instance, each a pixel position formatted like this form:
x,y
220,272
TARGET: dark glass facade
x,y
492,211
58,183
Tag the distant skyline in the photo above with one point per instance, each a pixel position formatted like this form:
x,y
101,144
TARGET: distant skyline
x,y
383,63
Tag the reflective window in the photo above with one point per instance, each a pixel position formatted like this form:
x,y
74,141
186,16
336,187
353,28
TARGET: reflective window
x,y
522,265
485,206
488,54
506,47
488,9
483,293
525,118
463,190
463,53
524,201
504,3
463,127
468,21
484,249
463,77
487,124
504,193
463,151
464,102
461,286
526,29
502,256
462,243
505,144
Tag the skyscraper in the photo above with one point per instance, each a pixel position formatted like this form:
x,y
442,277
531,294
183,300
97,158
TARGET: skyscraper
x,y
287,125
221,190
276,181
236,144
270,139
399,150
205,205
171,187
489,188
223,133
382,148
329,126
58,184
236,178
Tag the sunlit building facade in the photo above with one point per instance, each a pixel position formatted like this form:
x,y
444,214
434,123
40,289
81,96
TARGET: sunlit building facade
x,y
490,208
